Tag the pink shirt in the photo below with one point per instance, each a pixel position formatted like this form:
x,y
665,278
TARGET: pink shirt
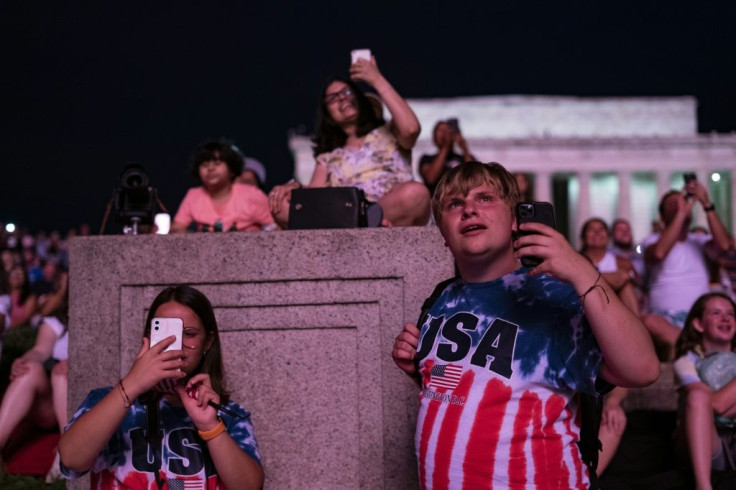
x,y
246,209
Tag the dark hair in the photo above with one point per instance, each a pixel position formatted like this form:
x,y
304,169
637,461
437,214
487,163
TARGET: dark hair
x,y
25,290
618,221
211,362
664,198
584,230
328,134
221,149
692,340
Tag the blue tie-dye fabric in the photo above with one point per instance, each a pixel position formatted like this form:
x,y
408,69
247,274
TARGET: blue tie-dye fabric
x,y
185,455
551,321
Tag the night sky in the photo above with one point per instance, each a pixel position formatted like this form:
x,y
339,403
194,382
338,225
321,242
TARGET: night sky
x,y
85,88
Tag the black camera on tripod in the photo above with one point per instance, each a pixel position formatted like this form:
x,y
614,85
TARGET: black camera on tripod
x,y
134,199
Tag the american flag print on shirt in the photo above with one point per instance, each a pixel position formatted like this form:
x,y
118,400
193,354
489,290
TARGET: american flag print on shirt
x,y
195,484
518,349
445,376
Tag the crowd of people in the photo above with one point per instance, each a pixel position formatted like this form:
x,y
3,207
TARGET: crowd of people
x,y
592,321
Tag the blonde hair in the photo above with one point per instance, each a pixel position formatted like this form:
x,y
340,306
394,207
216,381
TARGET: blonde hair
x,y
469,175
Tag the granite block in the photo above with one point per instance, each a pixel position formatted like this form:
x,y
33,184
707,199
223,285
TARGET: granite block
x,y
307,321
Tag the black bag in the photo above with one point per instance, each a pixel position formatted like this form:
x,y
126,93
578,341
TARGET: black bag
x,y
331,207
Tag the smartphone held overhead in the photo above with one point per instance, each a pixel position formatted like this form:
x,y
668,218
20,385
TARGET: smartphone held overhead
x,y
360,54
163,328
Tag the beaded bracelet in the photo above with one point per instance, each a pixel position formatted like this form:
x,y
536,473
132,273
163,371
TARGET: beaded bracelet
x,y
208,435
595,285
126,400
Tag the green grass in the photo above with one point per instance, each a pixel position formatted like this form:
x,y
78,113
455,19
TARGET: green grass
x,y
24,482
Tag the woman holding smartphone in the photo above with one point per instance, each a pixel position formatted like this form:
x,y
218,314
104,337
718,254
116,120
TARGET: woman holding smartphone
x,y
354,146
114,431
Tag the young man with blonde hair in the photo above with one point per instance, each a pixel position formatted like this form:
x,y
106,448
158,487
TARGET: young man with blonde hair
x,y
505,349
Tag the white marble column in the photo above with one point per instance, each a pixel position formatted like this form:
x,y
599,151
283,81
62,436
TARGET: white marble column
x,y
623,205
733,196
543,186
583,211
663,184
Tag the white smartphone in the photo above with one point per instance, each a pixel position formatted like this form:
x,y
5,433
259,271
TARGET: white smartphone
x,y
360,54
163,223
162,328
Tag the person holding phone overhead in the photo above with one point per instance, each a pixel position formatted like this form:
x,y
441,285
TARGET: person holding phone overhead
x,y
139,433
355,147
505,349
446,135
677,262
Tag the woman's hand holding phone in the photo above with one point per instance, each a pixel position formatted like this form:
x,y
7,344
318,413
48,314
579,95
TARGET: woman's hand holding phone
x,y
153,364
365,71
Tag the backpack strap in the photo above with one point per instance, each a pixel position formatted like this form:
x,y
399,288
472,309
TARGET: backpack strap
x,y
591,414
426,306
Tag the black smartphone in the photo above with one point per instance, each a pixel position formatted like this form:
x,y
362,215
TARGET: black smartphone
x,y
689,177
454,124
534,212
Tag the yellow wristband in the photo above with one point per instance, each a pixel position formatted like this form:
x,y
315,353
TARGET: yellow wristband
x,y
208,435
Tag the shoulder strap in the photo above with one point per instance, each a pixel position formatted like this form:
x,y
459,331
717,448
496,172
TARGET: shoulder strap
x,y
426,306
591,413
430,301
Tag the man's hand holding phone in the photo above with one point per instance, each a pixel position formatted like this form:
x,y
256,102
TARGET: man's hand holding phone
x,y
558,258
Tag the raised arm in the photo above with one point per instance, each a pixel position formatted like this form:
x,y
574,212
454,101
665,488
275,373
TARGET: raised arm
x,y
659,250
629,359
404,124
431,169
717,229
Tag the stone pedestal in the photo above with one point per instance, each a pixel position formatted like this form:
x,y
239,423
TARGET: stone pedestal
x,y
307,320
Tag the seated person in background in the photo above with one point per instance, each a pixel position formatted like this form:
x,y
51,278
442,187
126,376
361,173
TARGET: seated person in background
x,y
254,173
38,382
353,146
618,273
727,262
221,204
677,263
446,135
107,433
526,190
24,302
33,264
706,375
623,246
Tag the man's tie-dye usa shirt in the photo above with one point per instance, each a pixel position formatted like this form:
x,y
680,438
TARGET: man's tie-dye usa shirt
x,y
500,364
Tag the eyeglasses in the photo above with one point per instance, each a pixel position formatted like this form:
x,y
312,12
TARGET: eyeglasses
x,y
335,96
